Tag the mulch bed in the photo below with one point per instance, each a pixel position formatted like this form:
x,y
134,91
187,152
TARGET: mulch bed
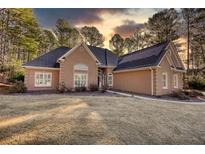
x,y
4,87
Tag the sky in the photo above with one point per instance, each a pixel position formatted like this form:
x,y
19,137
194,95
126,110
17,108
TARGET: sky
x,y
108,20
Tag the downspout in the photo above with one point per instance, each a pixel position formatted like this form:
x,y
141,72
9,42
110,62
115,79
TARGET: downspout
x,y
152,84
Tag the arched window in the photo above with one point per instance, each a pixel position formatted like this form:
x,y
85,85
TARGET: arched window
x,y
80,67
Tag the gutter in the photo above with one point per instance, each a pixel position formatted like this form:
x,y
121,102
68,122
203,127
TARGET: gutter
x,y
42,68
136,69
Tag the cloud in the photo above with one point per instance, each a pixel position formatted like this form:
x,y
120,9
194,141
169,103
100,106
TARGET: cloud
x,y
127,28
48,17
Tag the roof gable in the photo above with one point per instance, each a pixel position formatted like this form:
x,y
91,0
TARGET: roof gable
x,y
173,58
74,49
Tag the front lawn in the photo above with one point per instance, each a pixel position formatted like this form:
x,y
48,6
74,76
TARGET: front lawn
x,y
103,119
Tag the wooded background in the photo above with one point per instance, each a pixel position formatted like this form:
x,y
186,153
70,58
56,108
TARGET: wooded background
x,y
23,39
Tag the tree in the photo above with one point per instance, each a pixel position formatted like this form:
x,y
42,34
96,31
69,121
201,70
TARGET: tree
x,y
62,31
129,44
4,22
22,33
198,38
74,37
163,26
67,36
92,36
19,40
189,18
117,44
139,40
47,41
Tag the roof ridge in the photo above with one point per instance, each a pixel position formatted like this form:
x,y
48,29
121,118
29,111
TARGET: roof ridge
x,y
144,49
96,47
106,49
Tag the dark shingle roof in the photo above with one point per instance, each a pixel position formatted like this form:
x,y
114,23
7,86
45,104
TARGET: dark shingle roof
x,y
49,59
150,56
105,57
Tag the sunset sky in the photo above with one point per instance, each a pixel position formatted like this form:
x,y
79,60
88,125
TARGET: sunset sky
x,y
108,21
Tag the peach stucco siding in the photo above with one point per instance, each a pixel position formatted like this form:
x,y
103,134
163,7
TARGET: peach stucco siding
x,y
79,56
30,79
133,81
165,67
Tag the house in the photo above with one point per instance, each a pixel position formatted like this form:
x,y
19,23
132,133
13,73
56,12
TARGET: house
x,y
156,70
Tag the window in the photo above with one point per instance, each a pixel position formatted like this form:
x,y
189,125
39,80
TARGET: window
x,y
164,81
110,79
175,80
80,80
81,67
43,79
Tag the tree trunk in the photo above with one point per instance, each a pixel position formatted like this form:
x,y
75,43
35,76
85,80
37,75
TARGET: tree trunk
x,y
188,44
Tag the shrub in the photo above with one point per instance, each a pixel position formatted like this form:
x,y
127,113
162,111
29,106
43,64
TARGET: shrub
x,y
104,88
180,95
18,87
17,77
62,88
193,93
93,87
80,89
197,83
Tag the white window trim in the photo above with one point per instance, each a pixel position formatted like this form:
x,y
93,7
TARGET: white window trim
x,y
110,74
86,84
177,81
165,87
48,73
80,67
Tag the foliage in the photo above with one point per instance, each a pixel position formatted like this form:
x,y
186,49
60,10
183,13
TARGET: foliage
x,y
188,16
198,38
19,76
62,31
103,88
47,41
180,95
129,44
62,88
139,40
163,26
197,83
92,36
18,87
80,89
193,92
67,36
20,31
93,87
117,44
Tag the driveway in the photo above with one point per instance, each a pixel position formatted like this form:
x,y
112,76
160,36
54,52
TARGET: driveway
x,y
99,119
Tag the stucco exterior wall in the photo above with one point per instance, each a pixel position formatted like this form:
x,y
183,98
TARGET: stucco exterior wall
x,y
165,67
133,81
30,79
79,56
